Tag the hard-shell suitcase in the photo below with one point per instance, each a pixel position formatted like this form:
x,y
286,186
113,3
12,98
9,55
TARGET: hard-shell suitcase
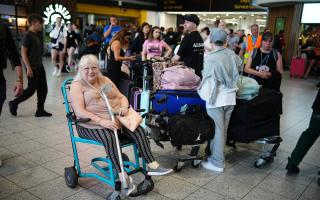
x,y
297,67
171,101
135,96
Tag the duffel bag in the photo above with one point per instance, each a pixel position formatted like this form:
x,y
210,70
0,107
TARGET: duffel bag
x,y
179,77
190,129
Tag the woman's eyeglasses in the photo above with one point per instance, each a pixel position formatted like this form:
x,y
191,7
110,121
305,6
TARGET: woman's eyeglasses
x,y
92,68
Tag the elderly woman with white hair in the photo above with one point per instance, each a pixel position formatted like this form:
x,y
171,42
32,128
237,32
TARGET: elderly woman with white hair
x,y
87,103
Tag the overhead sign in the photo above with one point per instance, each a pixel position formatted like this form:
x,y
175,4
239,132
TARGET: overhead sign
x,y
53,11
207,5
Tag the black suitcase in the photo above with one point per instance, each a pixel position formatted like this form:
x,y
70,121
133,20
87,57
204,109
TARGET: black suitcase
x,y
249,132
266,105
256,118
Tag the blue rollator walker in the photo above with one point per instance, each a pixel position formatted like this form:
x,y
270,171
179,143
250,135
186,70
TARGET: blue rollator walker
x,y
110,176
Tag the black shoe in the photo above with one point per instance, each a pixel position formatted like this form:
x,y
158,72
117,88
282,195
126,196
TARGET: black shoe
x,y
13,108
292,169
42,113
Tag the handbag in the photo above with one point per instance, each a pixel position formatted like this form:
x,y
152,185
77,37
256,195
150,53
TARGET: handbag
x,y
54,40
131,120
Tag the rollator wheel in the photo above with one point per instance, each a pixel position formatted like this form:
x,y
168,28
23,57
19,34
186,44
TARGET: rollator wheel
x,y
259,163
71,177
195,163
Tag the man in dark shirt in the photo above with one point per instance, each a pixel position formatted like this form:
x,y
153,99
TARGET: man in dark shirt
x,y
307,139
9,49
32,58
191,48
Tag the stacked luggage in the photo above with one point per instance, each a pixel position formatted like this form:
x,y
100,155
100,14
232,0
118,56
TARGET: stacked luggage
x,y
257,120
176,113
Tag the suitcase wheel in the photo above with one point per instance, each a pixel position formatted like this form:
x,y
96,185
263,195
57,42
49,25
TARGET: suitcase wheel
x,y
178,167
261,162
195,163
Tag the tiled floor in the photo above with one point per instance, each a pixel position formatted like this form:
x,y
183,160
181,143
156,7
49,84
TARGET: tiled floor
x,y
35,151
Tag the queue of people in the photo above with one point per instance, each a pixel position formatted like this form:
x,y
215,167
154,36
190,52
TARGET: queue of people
x,y
215,55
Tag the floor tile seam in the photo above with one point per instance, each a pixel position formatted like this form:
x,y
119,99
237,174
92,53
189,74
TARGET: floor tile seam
x,y
37,163
22,189
243,182
309,185
15,154
283,196
256,186
31,151
183,179
44,182
83,189
22,169
194,192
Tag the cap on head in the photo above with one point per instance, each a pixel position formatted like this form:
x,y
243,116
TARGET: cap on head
x,y
192,18
218,35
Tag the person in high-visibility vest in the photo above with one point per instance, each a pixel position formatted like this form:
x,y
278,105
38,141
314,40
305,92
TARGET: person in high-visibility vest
x,y
250,42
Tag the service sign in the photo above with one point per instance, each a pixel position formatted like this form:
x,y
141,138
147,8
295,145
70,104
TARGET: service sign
x,y
207,5
53,11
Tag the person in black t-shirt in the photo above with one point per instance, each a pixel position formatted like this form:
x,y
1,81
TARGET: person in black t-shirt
x,y
36,74
265,64
191,48
306,140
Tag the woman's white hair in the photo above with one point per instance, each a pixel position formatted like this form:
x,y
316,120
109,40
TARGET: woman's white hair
x,y
87,60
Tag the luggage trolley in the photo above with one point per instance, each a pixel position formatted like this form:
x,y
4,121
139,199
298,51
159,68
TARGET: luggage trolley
x,y
258,121
156,115
109,175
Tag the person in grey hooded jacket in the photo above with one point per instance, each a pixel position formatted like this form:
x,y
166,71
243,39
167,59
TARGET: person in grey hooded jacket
x,y
218,88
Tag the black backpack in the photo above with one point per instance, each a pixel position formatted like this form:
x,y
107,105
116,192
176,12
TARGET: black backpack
x,y
190,129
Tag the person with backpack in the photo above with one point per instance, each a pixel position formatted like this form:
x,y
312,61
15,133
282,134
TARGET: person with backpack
x,y
265,64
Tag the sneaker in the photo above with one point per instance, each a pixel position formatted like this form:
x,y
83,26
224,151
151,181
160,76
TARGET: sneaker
x,y
13,108
159,171
68,68
42,113
292,169
209,166
55,71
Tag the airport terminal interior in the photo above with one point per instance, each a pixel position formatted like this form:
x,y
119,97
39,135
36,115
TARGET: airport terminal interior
x,y
37,154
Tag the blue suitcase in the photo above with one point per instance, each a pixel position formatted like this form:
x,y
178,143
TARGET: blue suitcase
x,y
171,101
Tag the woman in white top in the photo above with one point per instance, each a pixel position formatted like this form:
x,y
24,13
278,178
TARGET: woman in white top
x,y
205,34
58,37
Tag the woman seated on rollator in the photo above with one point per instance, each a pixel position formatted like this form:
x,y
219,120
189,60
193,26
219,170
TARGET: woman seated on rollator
x,y
88,103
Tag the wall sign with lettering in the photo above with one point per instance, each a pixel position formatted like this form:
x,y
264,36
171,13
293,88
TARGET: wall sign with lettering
x,y
53,11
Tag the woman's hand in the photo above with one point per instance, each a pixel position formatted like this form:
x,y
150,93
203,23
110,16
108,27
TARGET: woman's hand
x,y
123,111
132,58
265,75
29,72
108,124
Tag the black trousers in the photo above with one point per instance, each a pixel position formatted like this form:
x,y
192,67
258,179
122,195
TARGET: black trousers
x,y
37,83
2,90
306,140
